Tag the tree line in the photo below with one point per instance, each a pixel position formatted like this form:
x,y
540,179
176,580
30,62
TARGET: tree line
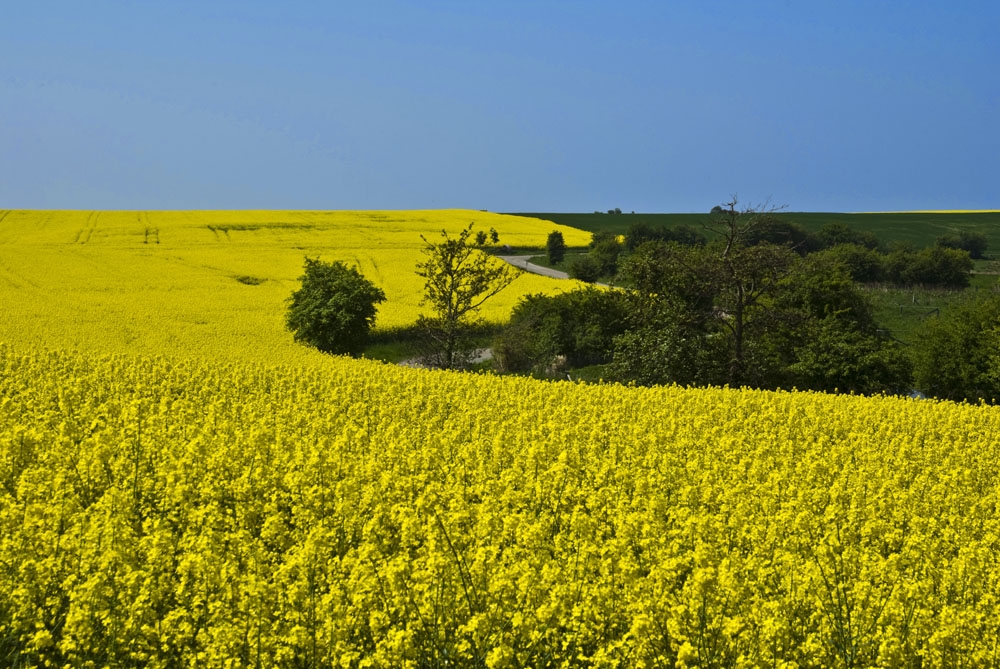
x,y
748,301
759,302
945,264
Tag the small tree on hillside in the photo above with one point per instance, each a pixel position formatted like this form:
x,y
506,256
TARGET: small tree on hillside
x,y
459,277
335,308
555,247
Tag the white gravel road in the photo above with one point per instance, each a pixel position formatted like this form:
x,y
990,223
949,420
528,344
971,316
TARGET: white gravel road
x,y
521,262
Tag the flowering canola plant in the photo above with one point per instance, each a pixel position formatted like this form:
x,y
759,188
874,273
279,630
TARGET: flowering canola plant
x,y
165,513
182,487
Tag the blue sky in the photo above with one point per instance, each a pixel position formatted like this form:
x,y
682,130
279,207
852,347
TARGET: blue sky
x,y
507,106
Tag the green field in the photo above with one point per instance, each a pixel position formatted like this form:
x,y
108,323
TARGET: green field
x,y
917,228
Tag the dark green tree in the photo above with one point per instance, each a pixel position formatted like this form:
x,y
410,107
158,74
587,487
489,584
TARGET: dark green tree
x,y
863,264
668,342
748,277
932,266
956,354
555,247
584,268
829,339
756,315
686,235
334,309
658,269
641,232
775,231
459,276
975,243
703,306
577,327
749,280
834,233
605,253
835,356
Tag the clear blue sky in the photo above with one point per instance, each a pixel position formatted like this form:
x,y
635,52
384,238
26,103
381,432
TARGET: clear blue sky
x,y
507,106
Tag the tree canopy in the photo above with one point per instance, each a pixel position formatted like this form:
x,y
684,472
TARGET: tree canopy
x,y
959,358
334,309
458,278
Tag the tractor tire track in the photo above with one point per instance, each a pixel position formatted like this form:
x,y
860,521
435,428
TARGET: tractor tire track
x,y
83,235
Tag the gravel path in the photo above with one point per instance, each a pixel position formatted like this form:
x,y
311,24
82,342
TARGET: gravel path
x,y
521,262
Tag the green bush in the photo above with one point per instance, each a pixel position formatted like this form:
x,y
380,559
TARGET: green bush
x,y
577,327
832,234
668,343
584,268
807,325
932,266
335,308
975,243
957,355
782,233
642,232
864,264
605,254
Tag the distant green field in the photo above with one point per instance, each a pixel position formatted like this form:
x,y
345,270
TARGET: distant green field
x,y
919,229
621,223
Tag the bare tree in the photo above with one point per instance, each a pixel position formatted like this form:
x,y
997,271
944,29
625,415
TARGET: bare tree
x,y
734,225
746,274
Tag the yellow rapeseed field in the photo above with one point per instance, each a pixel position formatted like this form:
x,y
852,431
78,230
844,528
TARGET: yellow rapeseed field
x,y
213,283
181,486
163,513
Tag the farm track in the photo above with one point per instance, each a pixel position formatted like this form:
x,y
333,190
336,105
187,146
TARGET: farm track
x,y
84,234
13,279
151,233
521,262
